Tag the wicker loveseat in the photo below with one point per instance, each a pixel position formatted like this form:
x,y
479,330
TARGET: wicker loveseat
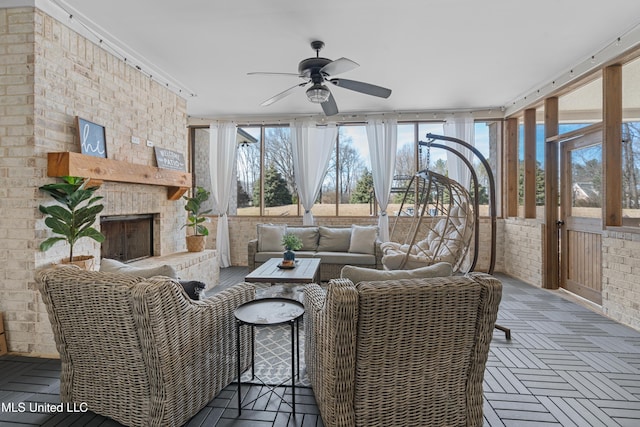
x,y
140,351
334,246
408,352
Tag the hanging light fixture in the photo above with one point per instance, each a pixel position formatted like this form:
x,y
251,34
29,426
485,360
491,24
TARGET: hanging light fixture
x,y
318,93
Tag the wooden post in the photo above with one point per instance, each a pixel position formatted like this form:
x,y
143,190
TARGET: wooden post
x,y
530,163
551,254
510,179
612,146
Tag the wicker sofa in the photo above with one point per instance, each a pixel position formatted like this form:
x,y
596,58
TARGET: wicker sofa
x,y
408,352
138,350
335,246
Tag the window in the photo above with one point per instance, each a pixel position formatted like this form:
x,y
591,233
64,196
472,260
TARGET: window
x,y
280,195
488,136
631,144
586,181
326,204
404,171
437,158
540,165
265,156
520,167
248,172
355,182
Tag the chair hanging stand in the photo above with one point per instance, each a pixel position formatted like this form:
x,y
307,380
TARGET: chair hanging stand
x,y
450,214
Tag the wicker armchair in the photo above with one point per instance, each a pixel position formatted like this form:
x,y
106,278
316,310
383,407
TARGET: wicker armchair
x,y
139,350
400,353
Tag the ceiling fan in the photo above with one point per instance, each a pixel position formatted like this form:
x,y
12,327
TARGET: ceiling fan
x,y
318,71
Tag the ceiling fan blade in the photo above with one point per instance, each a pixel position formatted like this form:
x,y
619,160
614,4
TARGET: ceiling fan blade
x,y
340,65
329,106
262,73
362,87
281,95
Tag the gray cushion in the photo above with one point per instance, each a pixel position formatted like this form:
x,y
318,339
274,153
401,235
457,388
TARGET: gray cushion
x,y
345,258
334,239
114,266
359,274
270,237
308,236
363,239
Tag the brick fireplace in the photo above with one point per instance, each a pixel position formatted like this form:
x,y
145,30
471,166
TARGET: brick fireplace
x,y
54,75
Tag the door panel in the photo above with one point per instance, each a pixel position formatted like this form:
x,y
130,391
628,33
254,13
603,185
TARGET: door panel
x,y
584,261
581,213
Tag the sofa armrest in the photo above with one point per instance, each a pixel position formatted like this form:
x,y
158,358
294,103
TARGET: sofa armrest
x,y
252,249
377,251
330,324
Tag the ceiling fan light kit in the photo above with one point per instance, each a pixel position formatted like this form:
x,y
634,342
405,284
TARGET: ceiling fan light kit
x,y
318,71
318,93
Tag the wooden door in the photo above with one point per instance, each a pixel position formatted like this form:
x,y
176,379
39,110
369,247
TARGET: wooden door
x,y
581,216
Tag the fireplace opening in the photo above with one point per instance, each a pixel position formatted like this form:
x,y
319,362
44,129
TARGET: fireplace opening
x,y
127,237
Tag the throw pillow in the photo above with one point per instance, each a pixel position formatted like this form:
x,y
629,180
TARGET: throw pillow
x,y
363,239
334,239
114,266
308,236
455,217
362,274
193,288
270,237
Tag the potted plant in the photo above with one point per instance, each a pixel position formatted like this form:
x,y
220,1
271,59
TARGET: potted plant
x,y
291,243
196,242
75,218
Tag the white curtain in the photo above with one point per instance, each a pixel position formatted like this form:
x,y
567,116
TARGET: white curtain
x,y
461,127
222,160
382,136
311,147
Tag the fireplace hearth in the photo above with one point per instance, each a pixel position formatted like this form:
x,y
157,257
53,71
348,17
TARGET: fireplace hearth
x,y
127,237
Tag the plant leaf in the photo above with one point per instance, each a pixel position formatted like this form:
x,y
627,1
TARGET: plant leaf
x,y
44,246
92,233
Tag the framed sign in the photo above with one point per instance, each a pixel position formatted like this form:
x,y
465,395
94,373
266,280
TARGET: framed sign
x,y
92,138
168,159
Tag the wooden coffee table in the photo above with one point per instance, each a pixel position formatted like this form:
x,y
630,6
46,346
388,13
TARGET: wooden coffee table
x,y
306,271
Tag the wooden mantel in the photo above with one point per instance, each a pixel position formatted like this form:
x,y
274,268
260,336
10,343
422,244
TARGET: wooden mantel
x,y
99,169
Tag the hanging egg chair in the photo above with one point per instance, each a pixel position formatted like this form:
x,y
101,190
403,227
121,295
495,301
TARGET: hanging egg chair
x,y
442,230
446,224
447,221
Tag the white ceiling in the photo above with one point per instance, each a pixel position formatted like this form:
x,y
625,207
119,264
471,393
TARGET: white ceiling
x,y
436,55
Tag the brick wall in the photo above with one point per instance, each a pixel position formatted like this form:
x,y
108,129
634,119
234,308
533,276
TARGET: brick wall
x,y
522,249
621,277
48,75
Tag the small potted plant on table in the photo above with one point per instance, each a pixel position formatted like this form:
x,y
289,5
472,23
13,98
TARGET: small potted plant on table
x,y
196,242
291,243
74,219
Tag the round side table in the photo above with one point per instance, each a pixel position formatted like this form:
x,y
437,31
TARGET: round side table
x,y
269,312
